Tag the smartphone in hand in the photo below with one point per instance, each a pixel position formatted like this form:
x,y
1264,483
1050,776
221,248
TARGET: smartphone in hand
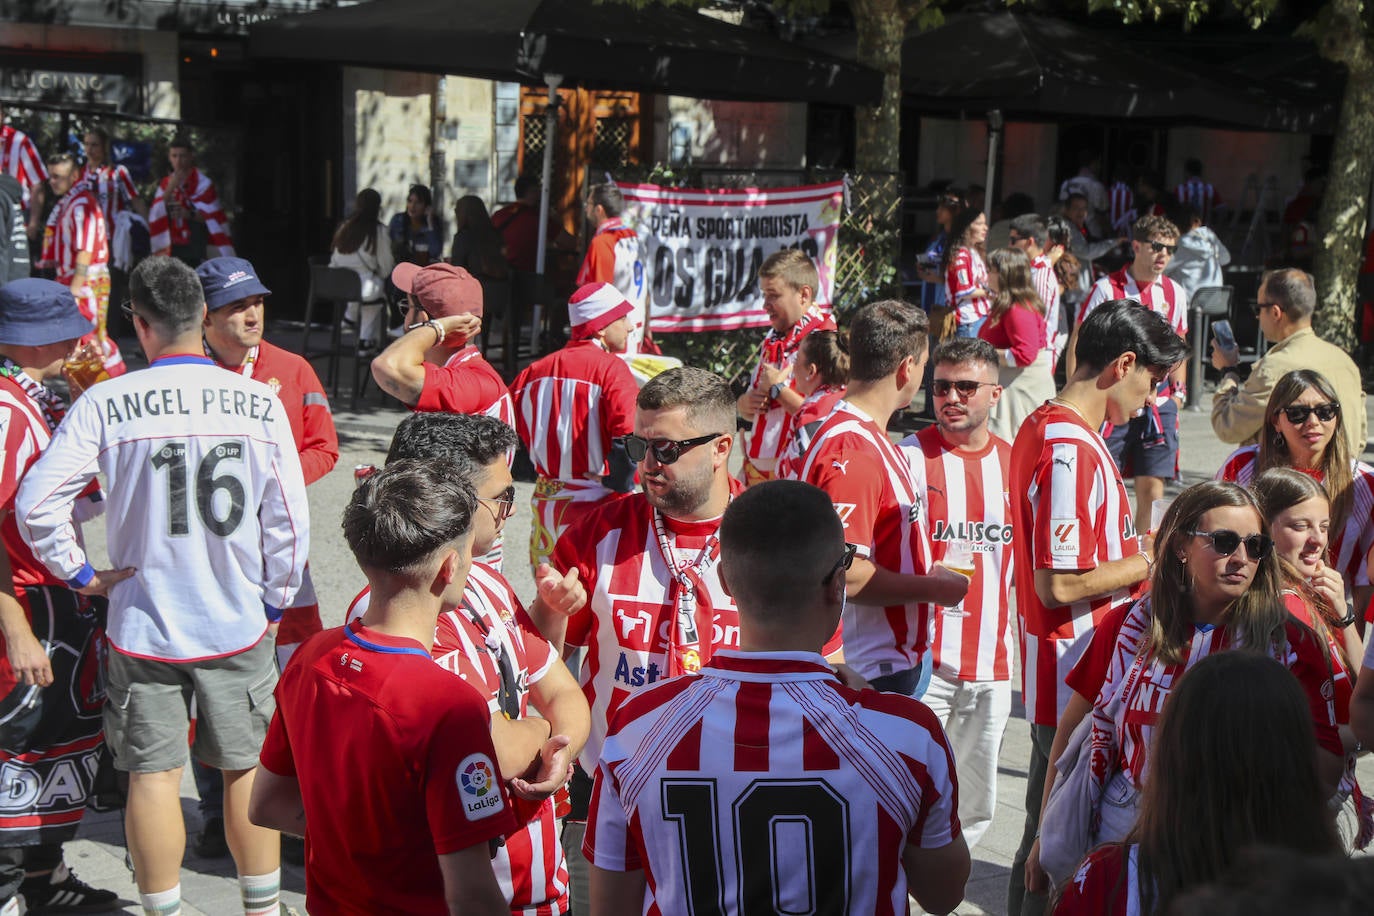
x,y
1225,337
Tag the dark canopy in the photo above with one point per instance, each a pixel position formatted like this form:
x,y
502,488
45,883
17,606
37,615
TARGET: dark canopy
x,y
607,45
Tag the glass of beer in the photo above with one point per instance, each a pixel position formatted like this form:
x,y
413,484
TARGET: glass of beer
x,y
959,556
83,368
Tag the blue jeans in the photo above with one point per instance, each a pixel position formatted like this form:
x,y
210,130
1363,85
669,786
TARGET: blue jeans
x,y
970,329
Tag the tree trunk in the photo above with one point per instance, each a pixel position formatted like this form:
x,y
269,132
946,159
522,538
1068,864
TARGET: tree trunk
x,y
880,26
1345,205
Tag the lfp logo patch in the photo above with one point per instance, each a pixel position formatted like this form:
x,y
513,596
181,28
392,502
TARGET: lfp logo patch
x,y
480,793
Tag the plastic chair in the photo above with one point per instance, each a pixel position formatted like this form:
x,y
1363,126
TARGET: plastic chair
x,y
335,286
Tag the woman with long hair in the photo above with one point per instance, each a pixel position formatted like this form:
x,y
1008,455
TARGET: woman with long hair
x,y
477,246
1016,328
1304,430
360,244
417,233
1232,768
1215,586
820,374
966,274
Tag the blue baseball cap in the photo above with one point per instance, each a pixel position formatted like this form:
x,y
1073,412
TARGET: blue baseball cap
x,y
226,280
35,313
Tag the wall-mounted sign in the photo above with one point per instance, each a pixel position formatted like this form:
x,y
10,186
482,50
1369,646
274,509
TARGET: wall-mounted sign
x,y
105,81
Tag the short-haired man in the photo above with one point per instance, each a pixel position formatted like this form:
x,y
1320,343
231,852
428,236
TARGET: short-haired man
x,y
383,757
207,506
656,607
764,784
1077,555
77,247
1285,304
1030,232
51,696
570,408
967,501
433,365
186,211
880,498
615,255
788,281
1146,447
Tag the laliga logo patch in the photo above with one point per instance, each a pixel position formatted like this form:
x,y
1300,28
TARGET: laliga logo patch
x,y
481,795
1064,535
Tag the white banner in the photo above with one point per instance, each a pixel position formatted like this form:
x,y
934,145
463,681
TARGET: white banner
x,y
704,248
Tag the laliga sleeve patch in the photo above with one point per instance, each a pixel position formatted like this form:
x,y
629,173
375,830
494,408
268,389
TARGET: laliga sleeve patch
x,y
480,793
1064,536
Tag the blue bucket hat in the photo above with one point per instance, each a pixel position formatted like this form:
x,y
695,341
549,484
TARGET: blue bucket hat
x,y
35,313
226,280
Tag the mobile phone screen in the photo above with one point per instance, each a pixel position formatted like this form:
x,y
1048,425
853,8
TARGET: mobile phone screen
x,y
1226,338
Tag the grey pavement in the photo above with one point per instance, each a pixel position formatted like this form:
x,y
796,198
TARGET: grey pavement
x,y
209,887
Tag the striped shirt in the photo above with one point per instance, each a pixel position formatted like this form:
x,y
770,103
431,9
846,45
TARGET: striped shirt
x,y
780,351
880,498
967,499
23,435
75,225
1121,207
1163,295
967,273
1047,287
1075,516
113,187
19,157
1200,195
764,785
197,193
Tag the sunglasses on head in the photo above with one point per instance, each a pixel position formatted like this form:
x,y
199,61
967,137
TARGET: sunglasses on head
x,y
966,387
665,451
845,561
1157,247
1225,542
1297,414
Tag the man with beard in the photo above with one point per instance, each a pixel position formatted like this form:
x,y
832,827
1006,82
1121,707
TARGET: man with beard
x,y
967,470
656,607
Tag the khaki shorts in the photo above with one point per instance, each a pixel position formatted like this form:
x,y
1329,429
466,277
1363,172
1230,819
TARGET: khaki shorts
x,y
148,709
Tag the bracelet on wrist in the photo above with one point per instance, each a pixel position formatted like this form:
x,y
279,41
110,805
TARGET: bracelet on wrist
x,y
434,325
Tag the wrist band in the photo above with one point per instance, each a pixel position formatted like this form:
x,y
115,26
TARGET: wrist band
x,y
433,325
1149,564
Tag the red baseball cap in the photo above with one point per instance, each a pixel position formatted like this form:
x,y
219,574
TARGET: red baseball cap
x,y
441,288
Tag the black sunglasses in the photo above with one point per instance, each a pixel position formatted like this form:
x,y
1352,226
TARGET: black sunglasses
x,y
665,451
845,561
1157,247
504,504
1224,542
966,387
127,307
1297,414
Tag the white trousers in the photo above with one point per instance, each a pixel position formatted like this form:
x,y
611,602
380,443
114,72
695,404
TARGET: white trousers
x,y
974,715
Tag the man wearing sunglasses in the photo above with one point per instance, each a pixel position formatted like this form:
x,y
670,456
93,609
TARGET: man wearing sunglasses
x,y
1146,445
485,637
1284,307
967,473
714,767
1076,551
881,501
571,407
788,282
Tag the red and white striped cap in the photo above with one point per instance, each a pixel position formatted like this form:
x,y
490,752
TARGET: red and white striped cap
x,y
594,306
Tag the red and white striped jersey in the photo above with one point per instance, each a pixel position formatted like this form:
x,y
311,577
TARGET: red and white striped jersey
x,y
1146,690
466,383
1106,884
113,188
1074,516
765,441
23,435
1163,295
1348,549
764,785
1200,195
880,498
195,193
19,157
802,427
967,273
967,498
75,225
569,405
470,641
1120,207
615,255
1047,287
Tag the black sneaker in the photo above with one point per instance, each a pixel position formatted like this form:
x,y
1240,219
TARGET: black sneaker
x,y
64,892
210,843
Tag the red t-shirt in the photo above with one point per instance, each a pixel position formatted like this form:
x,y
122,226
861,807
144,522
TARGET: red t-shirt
x,y
396,768
466,383
1020,329
1105,884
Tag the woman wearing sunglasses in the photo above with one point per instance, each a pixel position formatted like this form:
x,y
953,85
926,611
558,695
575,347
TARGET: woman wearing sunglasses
x,y
1016,328
1305,430
1215,586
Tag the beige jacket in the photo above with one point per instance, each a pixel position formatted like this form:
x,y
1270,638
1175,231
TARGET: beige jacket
x,y
1238,409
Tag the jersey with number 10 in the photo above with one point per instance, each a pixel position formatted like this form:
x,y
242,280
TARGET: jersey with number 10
x,y
206,501
765,786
